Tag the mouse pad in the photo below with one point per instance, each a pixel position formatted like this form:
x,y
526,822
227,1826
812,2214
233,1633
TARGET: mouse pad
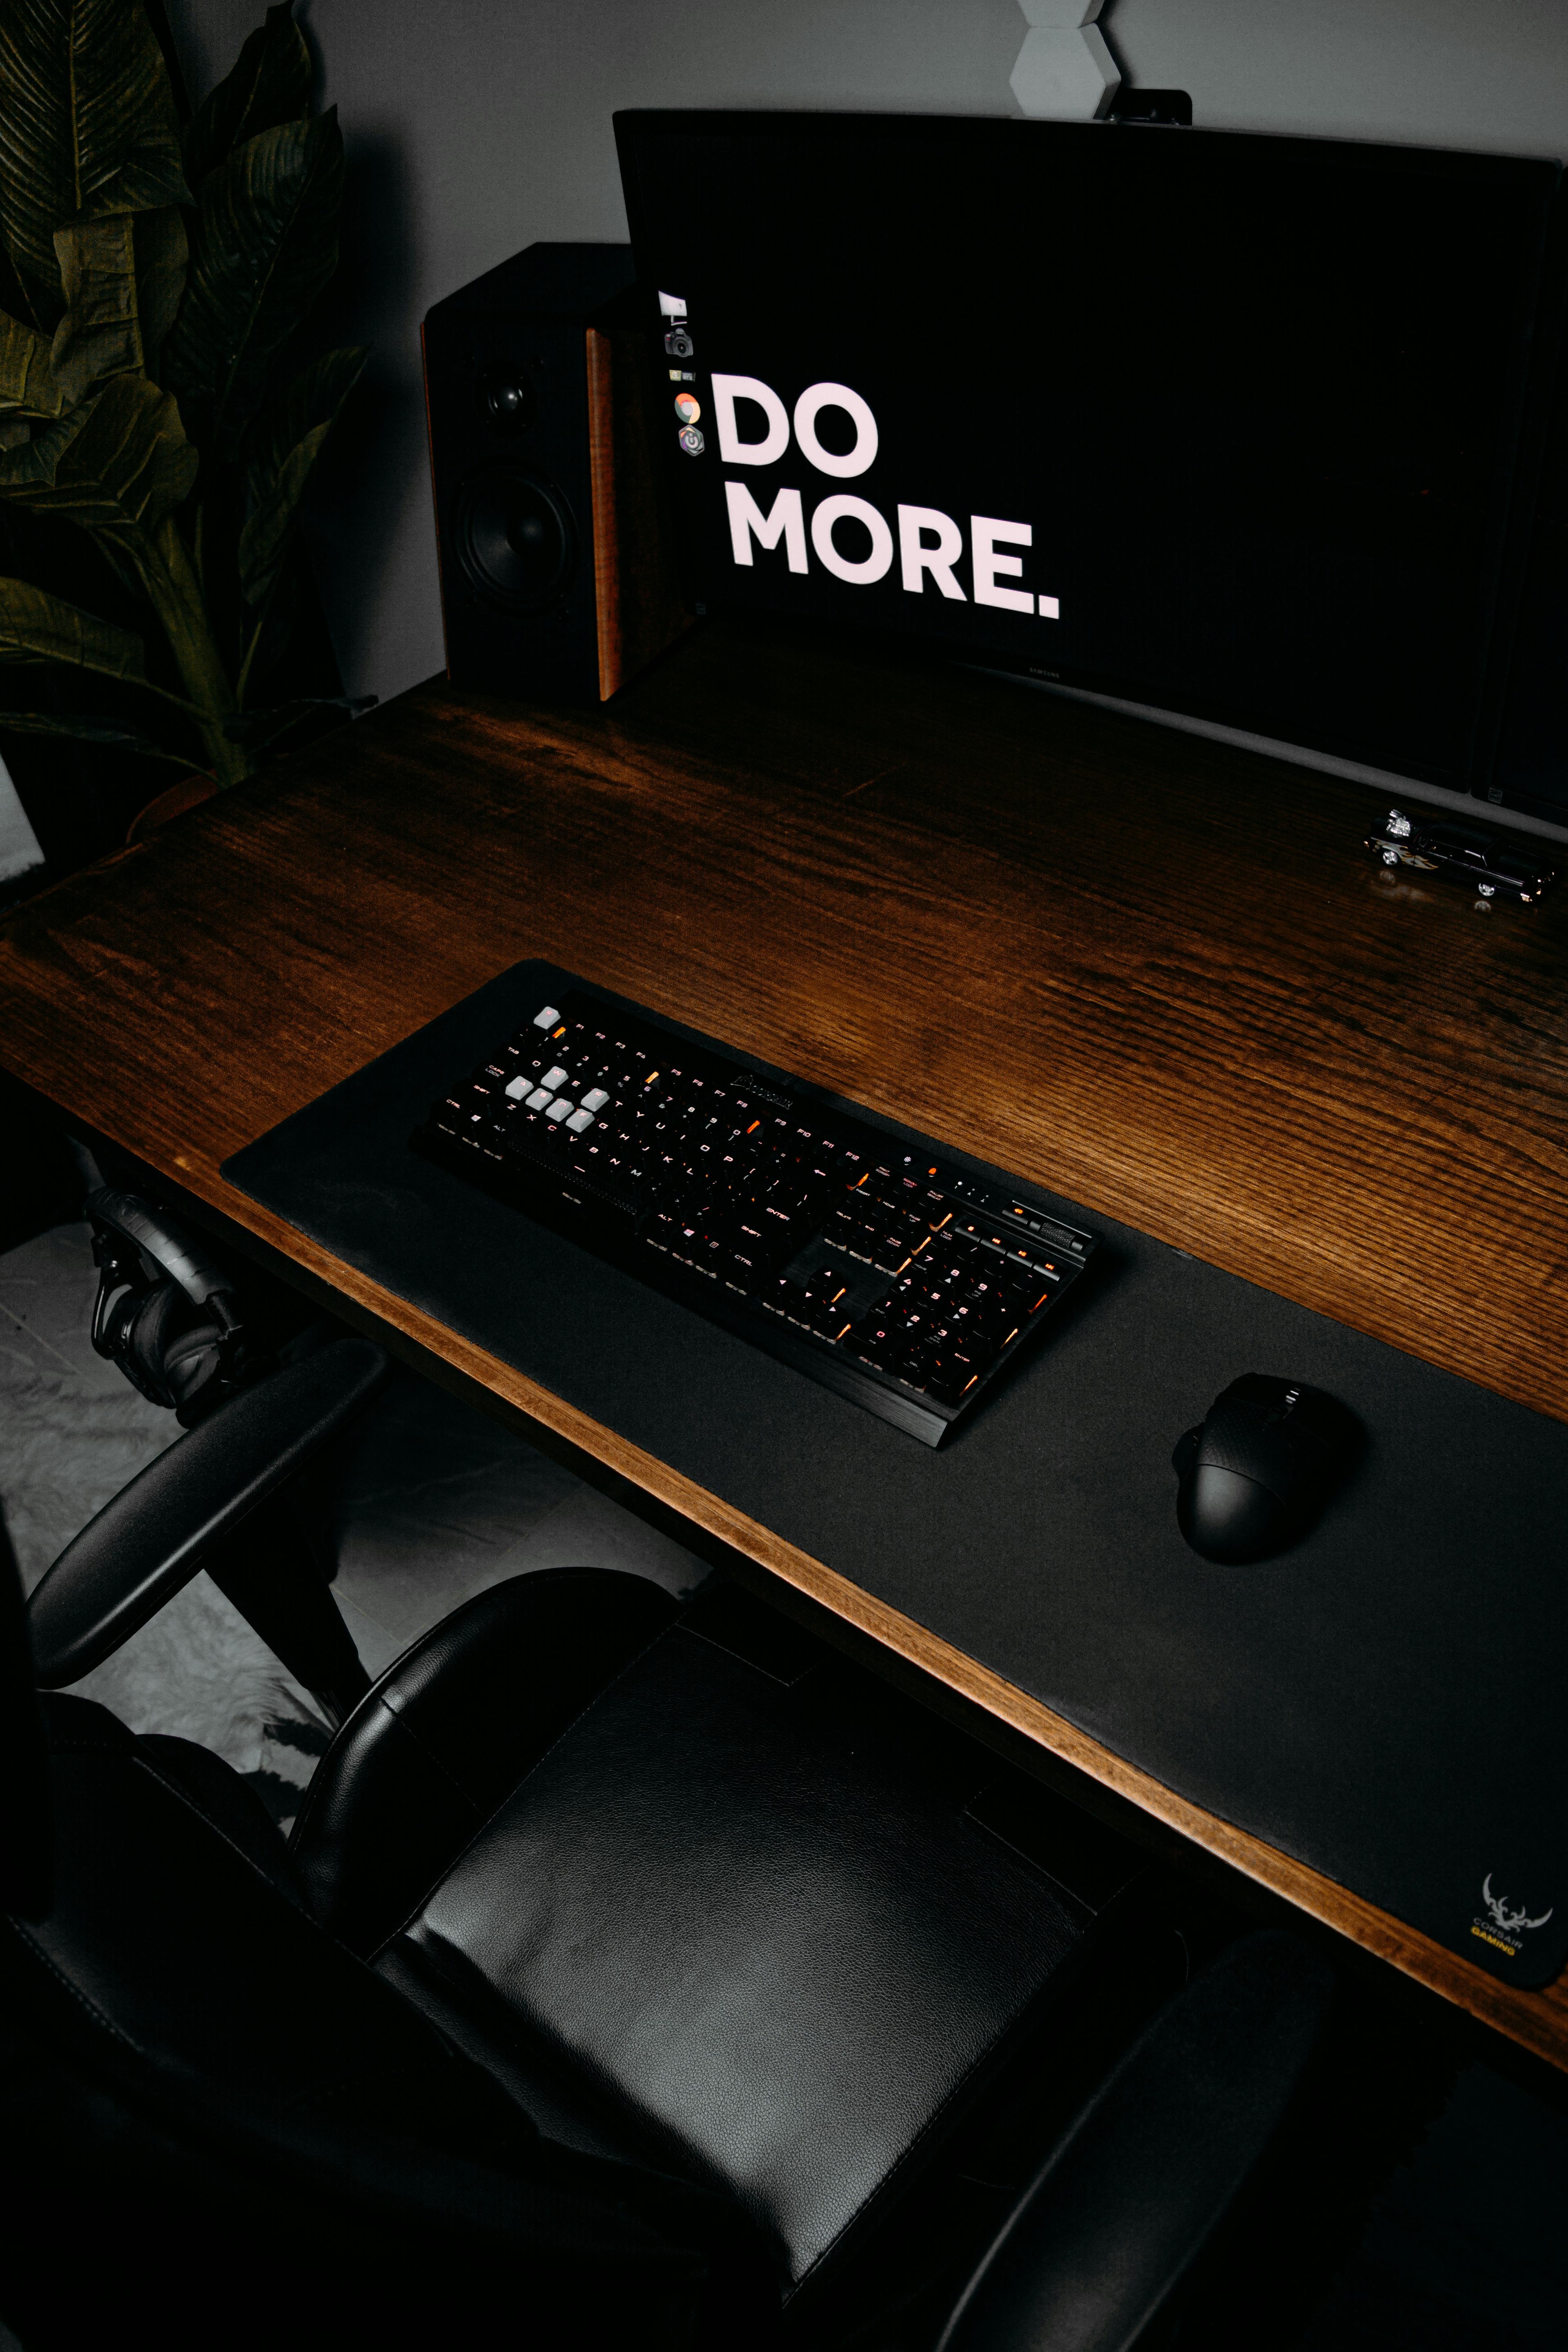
x,y
1382,1702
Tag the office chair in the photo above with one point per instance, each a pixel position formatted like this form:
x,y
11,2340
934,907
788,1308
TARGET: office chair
x,y
627,1971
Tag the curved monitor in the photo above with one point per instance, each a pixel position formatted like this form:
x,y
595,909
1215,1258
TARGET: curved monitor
x,y
1218,422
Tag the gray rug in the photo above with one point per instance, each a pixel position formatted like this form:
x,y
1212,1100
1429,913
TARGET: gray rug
x,y
426,1503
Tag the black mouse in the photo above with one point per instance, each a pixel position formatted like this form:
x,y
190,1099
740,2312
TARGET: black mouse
x,y
1256,1475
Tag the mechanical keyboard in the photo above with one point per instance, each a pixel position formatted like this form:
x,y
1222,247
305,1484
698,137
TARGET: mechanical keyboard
x,y
879,1268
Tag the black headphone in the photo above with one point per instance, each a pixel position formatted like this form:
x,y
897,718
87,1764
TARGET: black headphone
x,y
163,1312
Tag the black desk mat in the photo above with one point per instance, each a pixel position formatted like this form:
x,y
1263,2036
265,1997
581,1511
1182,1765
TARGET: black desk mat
x,y
1384,1703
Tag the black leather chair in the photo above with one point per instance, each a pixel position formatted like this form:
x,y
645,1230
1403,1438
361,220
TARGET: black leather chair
x,y
627,1971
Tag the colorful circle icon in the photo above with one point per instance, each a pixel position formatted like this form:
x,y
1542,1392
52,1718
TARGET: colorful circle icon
x,y
688,407
692,442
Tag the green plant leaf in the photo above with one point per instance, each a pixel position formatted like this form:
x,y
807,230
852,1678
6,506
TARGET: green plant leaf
x,y
28,385
118,464
279,452
163,259
35,626
270,84
89,128
266,243
92,730
115,550
122,277
99,334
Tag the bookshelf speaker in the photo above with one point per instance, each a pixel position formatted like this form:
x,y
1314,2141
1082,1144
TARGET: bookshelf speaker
x,y
559,574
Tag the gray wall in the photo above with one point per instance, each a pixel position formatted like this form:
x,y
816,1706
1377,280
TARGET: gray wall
x,y
475,127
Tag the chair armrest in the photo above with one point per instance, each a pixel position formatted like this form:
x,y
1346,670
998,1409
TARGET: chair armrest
x,y
1152,2165
154,1535
450,1729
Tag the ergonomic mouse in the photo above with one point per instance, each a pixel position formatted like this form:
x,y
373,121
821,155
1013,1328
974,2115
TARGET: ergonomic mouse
x,y
1254,1477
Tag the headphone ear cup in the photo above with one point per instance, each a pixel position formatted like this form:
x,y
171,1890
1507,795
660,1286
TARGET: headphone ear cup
x,y
191,1359
149,1333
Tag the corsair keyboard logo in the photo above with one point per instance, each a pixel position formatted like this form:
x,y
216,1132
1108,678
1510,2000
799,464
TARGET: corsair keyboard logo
x,y
929,545
1503,1927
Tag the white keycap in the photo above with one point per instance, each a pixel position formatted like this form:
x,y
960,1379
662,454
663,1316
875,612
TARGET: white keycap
x,y
547,1019
553,1078
517,1090
580,1120
596,1099
539,1098
559,1109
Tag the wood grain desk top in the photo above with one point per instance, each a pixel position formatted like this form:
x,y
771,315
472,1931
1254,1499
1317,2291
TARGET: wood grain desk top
x,y
1152,973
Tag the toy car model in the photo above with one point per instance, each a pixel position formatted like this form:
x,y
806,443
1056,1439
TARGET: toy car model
x,y
1466,852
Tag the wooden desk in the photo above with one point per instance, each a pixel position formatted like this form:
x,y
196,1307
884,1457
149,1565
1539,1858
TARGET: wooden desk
x,y
1204,1013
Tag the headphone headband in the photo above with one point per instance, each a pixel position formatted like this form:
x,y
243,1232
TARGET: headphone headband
x,y
165,1243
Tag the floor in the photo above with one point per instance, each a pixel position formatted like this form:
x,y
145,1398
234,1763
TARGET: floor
x,y
426,1503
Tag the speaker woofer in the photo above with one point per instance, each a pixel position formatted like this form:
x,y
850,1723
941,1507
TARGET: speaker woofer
x,y
514,538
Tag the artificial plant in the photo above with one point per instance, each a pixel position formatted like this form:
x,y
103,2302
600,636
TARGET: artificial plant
x,y
157,278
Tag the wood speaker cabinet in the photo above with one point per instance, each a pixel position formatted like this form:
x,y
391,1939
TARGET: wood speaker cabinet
x,y
559,574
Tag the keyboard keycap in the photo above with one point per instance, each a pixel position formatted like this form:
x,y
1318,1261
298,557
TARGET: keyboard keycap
x,y
876,1338
829,1321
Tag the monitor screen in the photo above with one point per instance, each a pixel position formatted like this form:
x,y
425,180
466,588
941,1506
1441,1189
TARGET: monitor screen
x,y
1222,424
1530,769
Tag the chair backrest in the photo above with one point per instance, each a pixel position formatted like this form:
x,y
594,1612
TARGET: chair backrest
x,y
25,1877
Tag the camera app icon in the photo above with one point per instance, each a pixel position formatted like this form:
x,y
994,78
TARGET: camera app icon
x,y
677,342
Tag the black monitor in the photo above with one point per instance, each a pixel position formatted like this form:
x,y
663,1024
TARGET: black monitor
x,y
1222,423
1531,768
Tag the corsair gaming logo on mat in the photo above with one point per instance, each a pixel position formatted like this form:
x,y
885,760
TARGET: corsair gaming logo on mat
x,y
1503,1927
